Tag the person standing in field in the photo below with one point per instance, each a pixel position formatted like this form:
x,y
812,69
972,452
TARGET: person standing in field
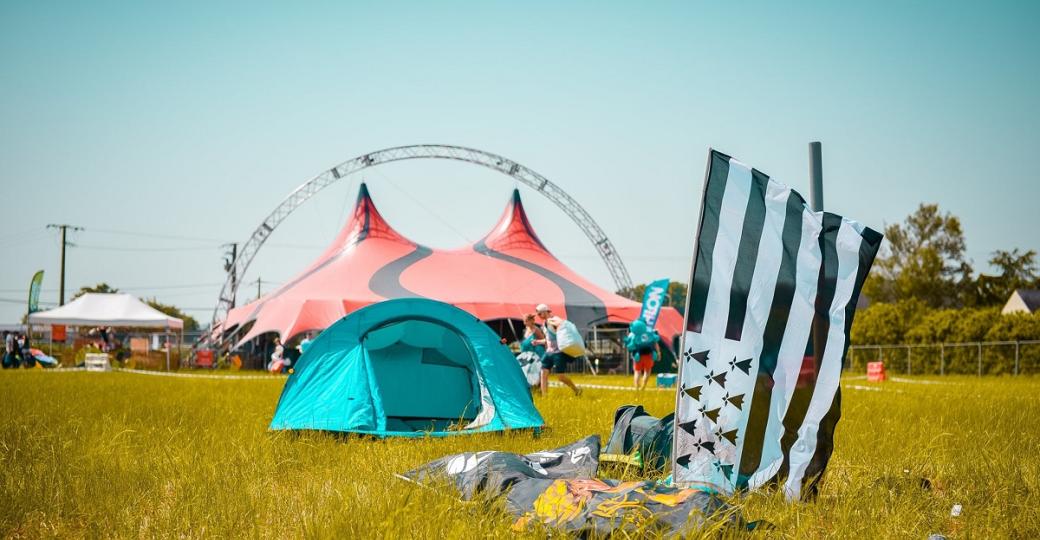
x,y
306,342
10,343
643,345
554,359
277,357
25,357
534,337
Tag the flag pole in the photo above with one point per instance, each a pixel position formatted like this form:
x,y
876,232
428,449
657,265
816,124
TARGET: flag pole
x,y
816,176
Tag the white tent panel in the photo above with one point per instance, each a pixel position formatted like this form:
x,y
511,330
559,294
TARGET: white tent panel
x,y
100,309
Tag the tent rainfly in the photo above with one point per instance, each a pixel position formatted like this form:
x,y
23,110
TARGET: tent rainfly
x,y
410,367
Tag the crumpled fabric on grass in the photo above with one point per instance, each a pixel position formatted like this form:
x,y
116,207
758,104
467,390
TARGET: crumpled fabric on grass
x,y
606,506
558,488
492,473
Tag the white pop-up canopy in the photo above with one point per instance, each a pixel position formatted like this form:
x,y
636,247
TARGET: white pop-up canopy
x,y
103,309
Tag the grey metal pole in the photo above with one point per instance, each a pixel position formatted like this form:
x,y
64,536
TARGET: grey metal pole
x,y
980,359
942,359
816,176
1016,358
61,280
908,372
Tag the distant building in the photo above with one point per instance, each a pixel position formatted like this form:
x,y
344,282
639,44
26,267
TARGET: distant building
x,y
1022,301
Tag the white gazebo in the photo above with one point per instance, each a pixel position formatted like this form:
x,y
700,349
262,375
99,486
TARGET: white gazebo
x,y
115,309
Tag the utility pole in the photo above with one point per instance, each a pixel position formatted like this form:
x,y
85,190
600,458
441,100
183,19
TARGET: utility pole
x,y
64,229
258,287
231,257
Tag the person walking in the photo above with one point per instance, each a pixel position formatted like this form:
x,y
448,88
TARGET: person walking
x,y
554,359
644,348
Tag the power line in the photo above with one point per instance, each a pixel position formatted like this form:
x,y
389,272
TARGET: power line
x,y
148,249
158,235
24,301
140,287
167,287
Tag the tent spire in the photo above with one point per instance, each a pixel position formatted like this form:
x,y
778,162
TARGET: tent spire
x,y
514,230
365,222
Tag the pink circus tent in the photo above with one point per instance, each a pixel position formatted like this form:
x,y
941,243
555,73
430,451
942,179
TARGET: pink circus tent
x,y
502,276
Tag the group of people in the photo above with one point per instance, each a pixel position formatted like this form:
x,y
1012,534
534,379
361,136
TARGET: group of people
x,y
282,360
16,351
540,340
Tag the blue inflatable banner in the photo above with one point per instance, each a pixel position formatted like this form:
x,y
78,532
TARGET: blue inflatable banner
x,y
653,299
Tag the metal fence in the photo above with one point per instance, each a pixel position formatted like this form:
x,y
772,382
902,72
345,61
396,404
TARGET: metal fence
x,y
975,358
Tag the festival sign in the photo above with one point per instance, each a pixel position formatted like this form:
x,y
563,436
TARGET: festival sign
x,y
653,300
34,292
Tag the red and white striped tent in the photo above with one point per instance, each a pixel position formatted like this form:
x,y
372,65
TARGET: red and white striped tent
x,y
502,276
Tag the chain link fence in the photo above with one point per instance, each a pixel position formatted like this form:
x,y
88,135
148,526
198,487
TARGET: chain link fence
x,y
976,358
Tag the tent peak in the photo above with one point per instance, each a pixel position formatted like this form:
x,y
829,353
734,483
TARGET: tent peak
x,y
514,230
365,223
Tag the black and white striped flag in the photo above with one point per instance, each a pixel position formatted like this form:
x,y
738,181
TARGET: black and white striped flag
x,y
771,301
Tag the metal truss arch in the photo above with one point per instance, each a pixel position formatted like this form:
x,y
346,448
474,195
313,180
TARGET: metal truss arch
x,y
495,162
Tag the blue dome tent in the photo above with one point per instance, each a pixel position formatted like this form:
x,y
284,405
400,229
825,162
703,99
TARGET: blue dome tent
x,y
407,367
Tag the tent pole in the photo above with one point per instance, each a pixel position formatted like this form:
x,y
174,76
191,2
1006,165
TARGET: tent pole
x,y
166,338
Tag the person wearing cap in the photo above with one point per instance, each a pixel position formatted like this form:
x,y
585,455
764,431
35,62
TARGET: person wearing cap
x,y
554,360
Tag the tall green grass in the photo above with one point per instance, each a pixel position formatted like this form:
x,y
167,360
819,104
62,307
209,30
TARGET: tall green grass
x,y
125,455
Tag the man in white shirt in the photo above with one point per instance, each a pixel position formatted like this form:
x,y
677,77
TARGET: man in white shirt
x,y
554,360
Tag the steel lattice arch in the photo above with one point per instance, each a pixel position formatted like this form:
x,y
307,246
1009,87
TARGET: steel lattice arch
x,y
495,162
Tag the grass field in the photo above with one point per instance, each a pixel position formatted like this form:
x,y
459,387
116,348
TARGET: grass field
x,y
128,455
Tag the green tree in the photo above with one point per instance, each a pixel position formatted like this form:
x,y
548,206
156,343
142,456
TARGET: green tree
x,y
1015,327
937,326
922,258
190,324
974,324
99,288
884,324
1017,271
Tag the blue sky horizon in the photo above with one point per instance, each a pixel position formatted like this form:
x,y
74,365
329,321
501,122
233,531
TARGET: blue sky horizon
x,y
166,130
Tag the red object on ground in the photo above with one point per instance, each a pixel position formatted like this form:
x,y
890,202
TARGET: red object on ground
x,y
204,358
876,371
502,276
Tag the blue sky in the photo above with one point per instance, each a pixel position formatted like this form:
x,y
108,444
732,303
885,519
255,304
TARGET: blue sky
x,y
165,129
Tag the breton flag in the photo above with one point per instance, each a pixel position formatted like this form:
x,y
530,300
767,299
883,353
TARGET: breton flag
x,y
772,295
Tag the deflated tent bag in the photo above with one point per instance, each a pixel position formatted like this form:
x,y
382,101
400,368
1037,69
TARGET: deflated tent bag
x,y
569,340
